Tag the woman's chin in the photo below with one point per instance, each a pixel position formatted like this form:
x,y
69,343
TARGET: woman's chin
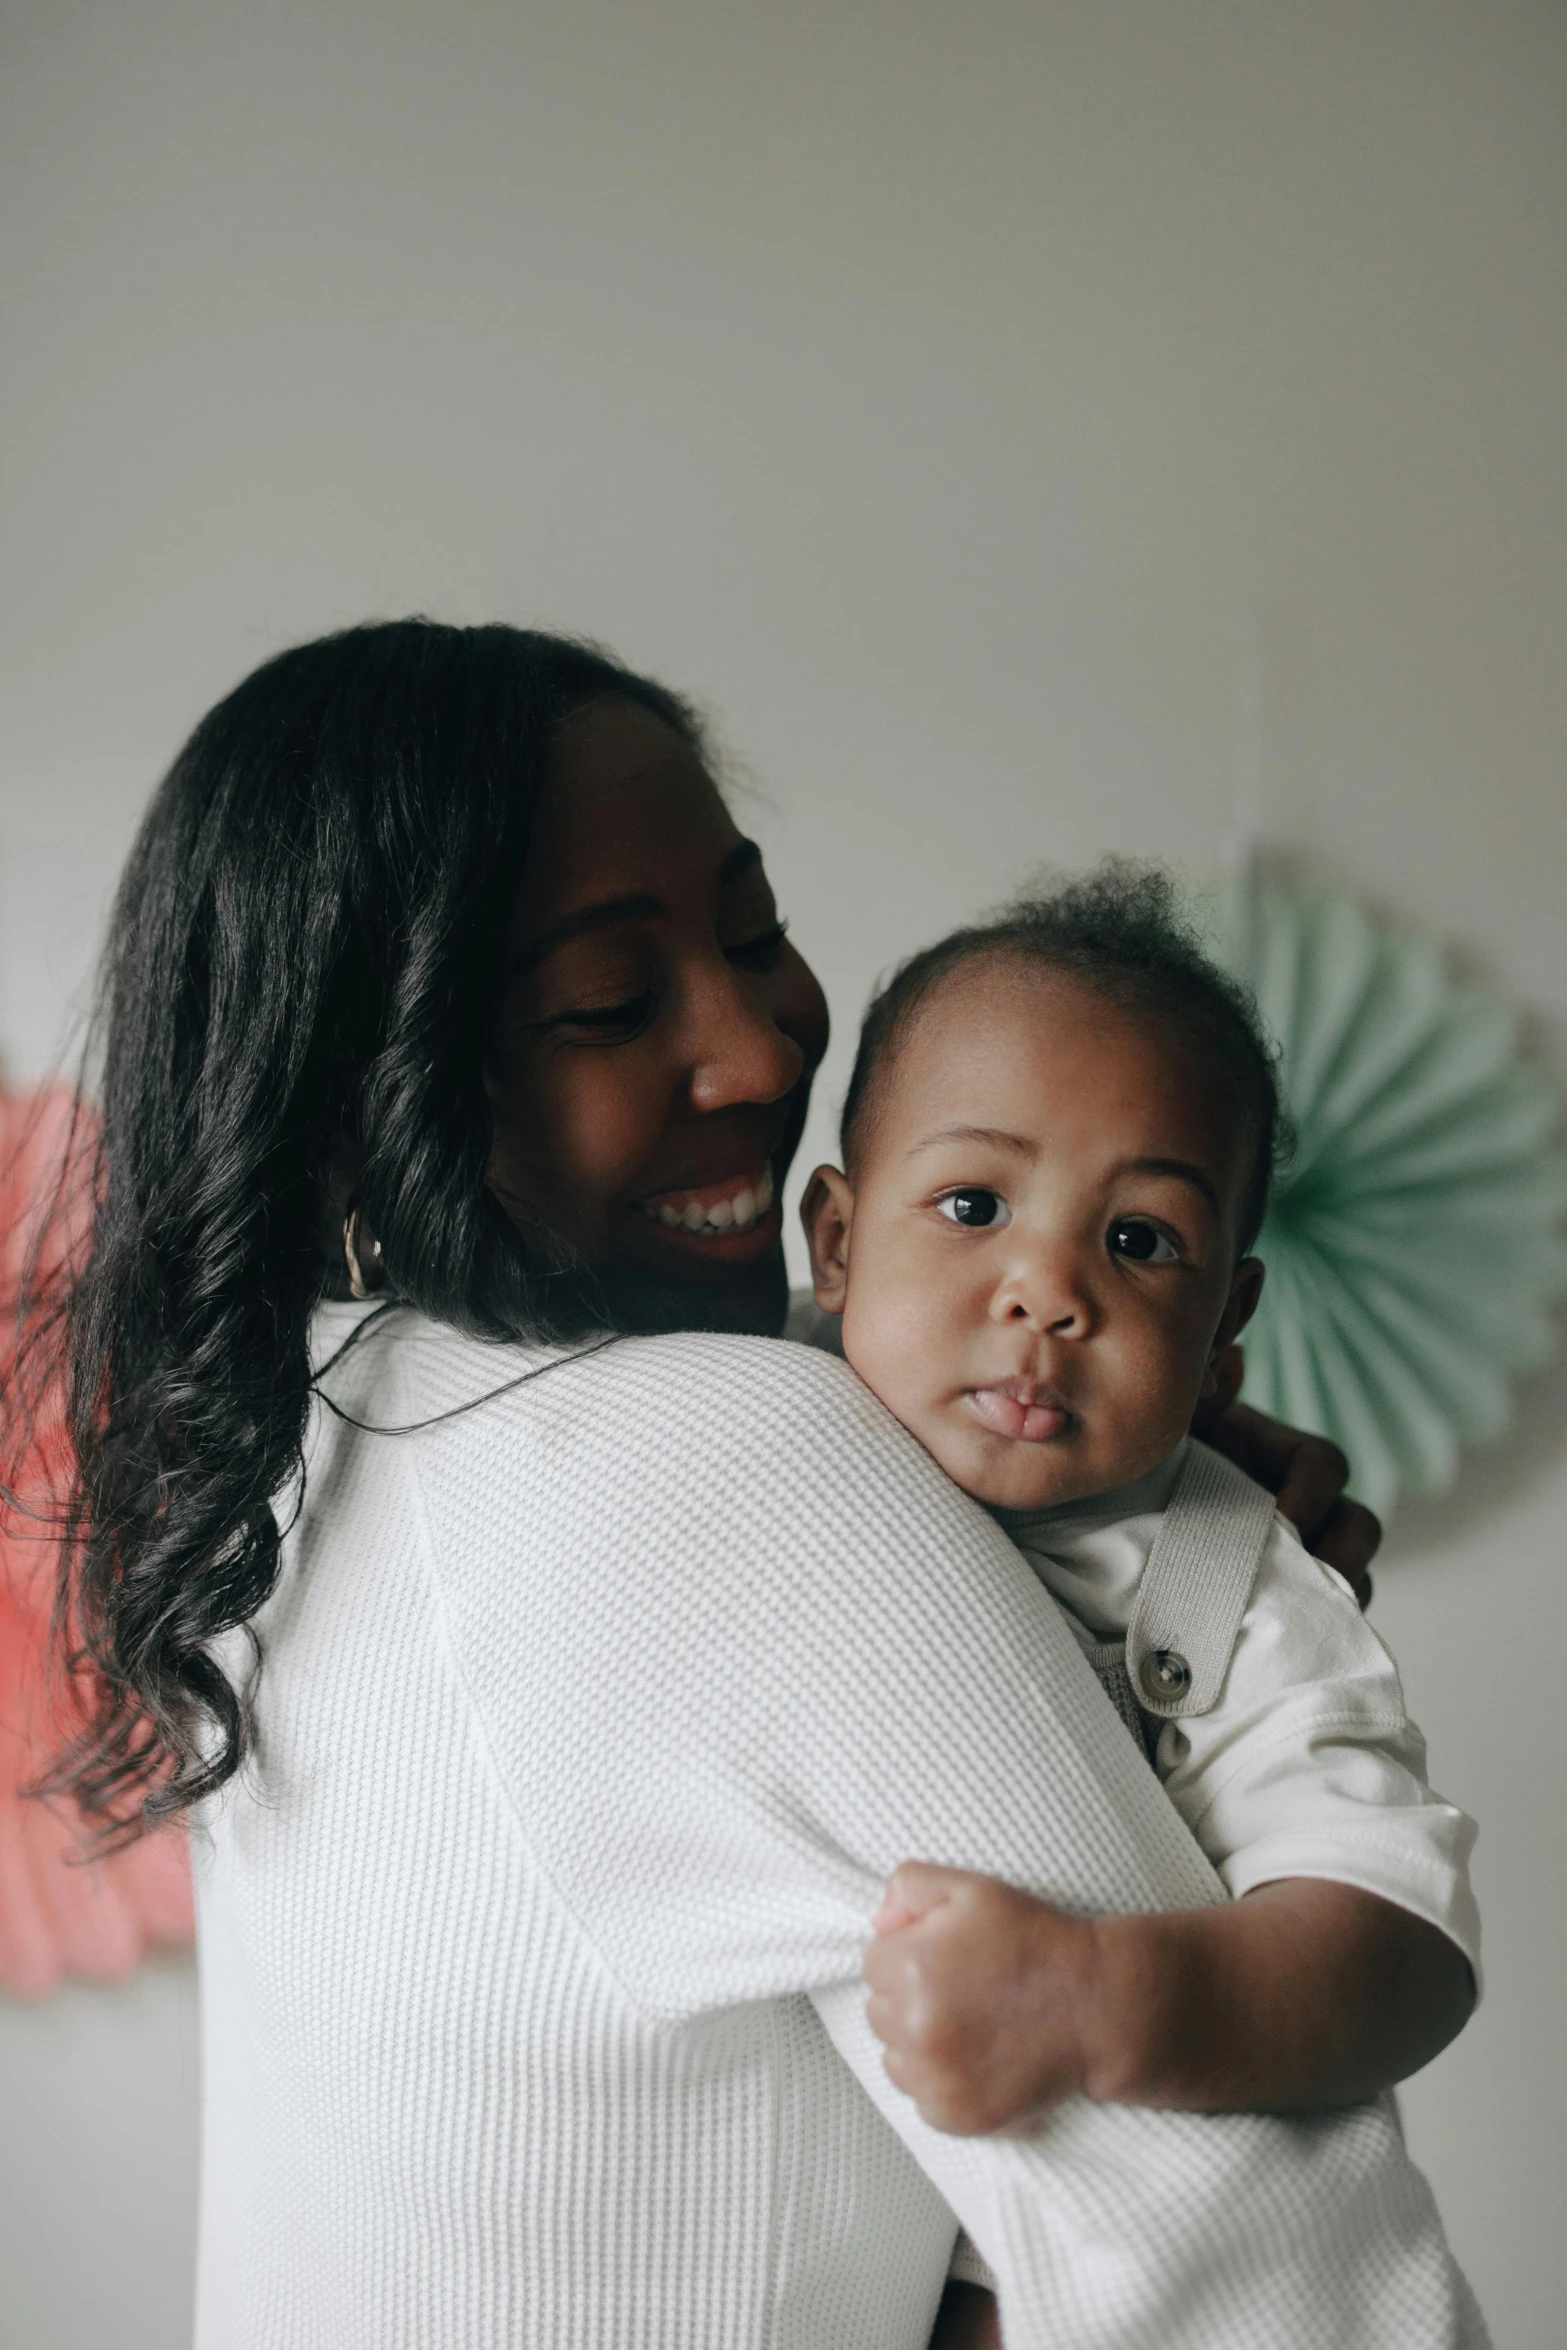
x,y
668,1280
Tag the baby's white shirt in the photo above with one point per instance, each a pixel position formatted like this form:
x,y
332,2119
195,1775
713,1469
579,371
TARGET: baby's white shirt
x,y
1308,1764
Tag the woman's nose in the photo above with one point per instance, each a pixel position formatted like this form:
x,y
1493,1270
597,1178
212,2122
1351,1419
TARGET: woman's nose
x,y
739,1052
1045,1286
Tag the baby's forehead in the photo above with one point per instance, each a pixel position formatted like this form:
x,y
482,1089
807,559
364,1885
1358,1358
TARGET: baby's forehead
x,y
1003,1039
977,1019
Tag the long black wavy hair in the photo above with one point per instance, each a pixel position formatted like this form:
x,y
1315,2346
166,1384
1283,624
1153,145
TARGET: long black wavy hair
x,y
300,958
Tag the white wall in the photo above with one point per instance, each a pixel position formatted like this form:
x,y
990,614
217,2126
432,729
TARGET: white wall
x,y
941,394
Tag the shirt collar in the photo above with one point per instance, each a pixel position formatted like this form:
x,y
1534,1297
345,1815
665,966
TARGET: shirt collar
x,y
1047,1529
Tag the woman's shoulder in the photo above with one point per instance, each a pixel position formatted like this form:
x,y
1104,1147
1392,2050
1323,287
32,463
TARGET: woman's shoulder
x,y
387,1361
731,1395
690,1438
718,1364
744,1397
689,1447
769,1451
731,1411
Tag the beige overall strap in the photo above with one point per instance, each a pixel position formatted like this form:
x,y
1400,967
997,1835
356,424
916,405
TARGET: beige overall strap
x,y
1196,1585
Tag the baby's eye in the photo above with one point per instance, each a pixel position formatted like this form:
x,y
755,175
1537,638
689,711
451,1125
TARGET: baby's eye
x,y
1134,1236
972,1204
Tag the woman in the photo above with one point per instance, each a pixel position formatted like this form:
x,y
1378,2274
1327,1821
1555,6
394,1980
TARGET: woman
x,y
557,1686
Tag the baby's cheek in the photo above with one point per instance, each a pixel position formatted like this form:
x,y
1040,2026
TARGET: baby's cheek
x,y
897,1346
1156,1390
892,1363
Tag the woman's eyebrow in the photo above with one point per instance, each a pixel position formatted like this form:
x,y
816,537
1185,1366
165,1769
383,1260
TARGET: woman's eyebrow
x,y
636,906
633,908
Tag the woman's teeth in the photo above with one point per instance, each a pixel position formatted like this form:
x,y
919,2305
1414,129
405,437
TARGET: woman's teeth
x,y
735,1213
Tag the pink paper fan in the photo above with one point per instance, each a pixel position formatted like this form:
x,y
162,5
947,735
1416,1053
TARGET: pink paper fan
x,y
59,1914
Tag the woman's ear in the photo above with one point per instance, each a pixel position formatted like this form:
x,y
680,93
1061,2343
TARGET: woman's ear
x,y
1245,1289
827,1212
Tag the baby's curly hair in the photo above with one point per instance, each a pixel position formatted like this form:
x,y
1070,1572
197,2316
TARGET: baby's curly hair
x,y
1122,931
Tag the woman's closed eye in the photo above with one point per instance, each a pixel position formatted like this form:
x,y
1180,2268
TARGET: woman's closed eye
x,y
1144,1241
762,952
975,1206
619,1022
607,1023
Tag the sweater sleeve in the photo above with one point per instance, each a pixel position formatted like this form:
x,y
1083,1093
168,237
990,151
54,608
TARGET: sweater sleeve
x,y
742,1650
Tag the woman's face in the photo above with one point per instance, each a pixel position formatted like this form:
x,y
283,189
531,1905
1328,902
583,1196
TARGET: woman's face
x,y
652,1045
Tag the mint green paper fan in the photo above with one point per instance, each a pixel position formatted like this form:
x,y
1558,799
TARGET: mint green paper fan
x,y
1414,1242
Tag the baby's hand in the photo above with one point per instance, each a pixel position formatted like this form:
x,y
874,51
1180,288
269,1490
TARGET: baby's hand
x,y
979,1993
993,2006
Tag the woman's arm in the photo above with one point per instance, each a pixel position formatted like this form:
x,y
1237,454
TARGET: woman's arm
x,y
766,1651
993,2006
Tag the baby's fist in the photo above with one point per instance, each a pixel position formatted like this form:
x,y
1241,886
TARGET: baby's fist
x,y
978,1993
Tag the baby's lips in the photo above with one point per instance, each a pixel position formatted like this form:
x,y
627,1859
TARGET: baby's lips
x,y
1008,1415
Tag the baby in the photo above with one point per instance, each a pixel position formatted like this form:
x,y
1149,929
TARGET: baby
x,y
1057,1144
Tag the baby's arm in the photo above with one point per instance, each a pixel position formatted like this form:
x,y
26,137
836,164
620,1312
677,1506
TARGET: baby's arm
x,y
994,2006
1345,1963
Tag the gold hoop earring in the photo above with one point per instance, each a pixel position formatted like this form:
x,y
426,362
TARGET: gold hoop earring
x,y
358,1285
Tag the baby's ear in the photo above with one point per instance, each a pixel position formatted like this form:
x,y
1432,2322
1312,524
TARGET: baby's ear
x,y
827,1212
1245,1289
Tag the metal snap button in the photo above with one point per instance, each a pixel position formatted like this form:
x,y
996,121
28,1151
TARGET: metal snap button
x,y
1164,1673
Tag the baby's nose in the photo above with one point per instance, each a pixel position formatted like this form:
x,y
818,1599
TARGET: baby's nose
x,y
1045,1288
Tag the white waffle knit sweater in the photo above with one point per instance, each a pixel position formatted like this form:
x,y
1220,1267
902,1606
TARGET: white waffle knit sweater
x,y
590,1723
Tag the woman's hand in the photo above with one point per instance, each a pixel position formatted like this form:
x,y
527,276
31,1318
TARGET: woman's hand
x,y
1306,1473
977,1993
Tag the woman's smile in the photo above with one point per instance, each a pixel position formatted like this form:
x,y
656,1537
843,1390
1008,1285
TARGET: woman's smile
x,y
739,1212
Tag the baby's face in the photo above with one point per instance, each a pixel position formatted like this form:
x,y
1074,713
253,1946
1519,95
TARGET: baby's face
x,y
1036,1260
